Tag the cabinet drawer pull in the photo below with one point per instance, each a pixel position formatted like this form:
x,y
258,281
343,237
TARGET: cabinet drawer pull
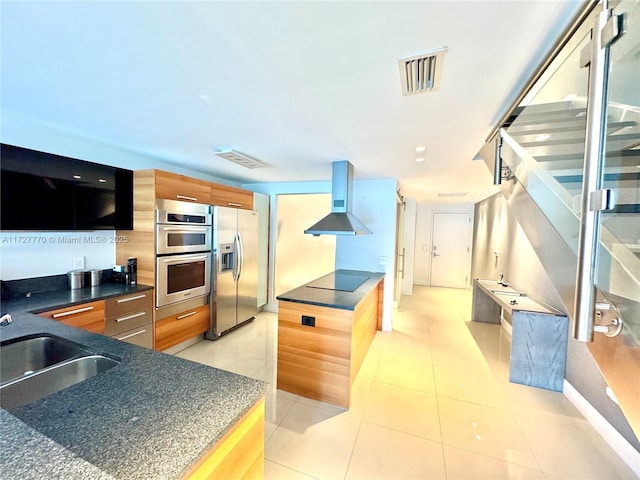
x,y
129,317
186,315
72,312
129,299
131,335
184,197
231,204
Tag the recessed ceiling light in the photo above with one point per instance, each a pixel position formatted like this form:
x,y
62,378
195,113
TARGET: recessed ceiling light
x,y
102,180
420,159
77,177
420,148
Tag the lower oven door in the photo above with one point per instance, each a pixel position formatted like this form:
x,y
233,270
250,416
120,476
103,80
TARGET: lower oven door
x,y
181,277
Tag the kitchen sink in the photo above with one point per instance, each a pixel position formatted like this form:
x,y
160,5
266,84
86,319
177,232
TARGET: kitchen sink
x,y
35,366
25,355
53,379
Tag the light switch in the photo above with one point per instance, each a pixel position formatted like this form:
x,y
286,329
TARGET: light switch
x,y
383,261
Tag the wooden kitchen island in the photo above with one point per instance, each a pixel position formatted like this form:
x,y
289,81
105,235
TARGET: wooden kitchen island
x,y
325,328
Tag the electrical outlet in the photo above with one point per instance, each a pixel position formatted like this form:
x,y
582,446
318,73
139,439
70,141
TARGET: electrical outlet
x,y
308,321
77,263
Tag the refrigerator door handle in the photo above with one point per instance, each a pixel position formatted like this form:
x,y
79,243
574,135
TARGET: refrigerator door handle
x,y
236,260
240,256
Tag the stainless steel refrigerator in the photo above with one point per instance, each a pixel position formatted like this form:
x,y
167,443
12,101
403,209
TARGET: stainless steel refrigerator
x,y
234,287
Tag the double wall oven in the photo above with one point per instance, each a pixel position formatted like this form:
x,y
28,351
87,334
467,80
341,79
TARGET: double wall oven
x,y
183,252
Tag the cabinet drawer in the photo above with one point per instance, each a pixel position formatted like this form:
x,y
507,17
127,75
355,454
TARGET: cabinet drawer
x,y
141,336
180,327
126,304
88,316
226,196
127,321
179,187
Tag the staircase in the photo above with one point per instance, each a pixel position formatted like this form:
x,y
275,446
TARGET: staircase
x,y
542,156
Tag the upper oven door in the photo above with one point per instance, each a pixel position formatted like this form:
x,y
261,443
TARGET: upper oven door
x,y
182,213
182,239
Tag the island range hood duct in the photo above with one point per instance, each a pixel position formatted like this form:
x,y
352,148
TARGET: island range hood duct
x,y
340,221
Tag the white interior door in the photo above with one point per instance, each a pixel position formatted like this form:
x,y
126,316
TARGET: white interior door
x,y
450,250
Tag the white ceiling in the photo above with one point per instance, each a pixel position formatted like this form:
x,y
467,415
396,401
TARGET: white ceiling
x,y
294,84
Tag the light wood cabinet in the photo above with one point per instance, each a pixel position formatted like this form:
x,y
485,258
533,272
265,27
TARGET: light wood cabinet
x,y
239,454
171,330
226,196
178,187
322,361
88,316
130,318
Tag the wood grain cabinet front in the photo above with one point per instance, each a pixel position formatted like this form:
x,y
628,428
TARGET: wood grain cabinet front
x,y
226,196
178,187
182,326
130,318
88,316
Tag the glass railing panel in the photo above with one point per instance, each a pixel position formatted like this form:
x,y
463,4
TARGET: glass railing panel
x,y
618,274
550,123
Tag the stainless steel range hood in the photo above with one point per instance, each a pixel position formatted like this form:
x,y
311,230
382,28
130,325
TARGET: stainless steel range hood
x,y
340,221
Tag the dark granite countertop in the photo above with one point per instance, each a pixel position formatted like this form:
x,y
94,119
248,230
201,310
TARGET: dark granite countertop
x,y
54,299
318,292
152,416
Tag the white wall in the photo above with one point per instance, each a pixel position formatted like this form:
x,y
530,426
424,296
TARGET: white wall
x,y
40,254
424,223
301,258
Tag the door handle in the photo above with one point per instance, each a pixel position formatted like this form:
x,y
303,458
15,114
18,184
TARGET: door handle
x,y
241,256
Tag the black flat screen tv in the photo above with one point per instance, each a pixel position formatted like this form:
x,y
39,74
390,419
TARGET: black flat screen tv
x,y
43,191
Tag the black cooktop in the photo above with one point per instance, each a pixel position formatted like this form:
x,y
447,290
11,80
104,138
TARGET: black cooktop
x,y
341,281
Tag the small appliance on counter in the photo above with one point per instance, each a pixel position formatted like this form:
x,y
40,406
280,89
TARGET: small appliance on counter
x,y
126,273
120,274
132,266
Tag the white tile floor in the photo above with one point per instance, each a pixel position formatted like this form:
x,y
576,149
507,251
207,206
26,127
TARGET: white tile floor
x,y
432,400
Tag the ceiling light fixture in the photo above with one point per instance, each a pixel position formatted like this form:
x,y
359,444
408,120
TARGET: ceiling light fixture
x,y
77,177
240,158
420,159
420,148
102,180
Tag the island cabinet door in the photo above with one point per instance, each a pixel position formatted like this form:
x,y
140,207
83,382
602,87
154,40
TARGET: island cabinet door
x,y
314,361
239,454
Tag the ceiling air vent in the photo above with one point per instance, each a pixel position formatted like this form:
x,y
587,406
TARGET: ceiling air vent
x,y
421,73
241,159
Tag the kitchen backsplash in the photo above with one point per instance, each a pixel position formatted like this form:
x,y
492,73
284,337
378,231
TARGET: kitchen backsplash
x,y
36,254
